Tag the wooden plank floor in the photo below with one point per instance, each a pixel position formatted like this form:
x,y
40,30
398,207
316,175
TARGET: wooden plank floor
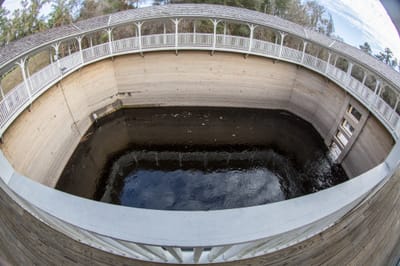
x,y
368,235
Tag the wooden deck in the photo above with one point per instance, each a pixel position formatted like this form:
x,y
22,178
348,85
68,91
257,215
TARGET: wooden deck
x,y
369,235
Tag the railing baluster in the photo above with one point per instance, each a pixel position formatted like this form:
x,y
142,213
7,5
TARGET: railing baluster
x,y
217,251
156,251
197,254
176,253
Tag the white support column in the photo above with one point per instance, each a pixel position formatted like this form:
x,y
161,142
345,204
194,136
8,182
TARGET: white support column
x,y
165,34
362,85
378,90
328,63
22,65
176,23
378,83
349,69
336,58
348,74
28,74
91,46
282,39
56,48
224,33
215,23
304,51
394,108
363,82
109,33
51,57
79,39
252,27
194,31
364,78
139,36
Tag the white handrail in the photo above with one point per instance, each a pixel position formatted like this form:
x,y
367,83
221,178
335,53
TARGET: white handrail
x,y
51,73
260,229
216,232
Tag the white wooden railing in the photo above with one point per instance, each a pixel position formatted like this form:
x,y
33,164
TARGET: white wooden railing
x,y
184,236
190,237
20,97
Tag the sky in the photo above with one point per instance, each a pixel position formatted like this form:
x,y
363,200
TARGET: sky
x,y
15,4
359,21
356,21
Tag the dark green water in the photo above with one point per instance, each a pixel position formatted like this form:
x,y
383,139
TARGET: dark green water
x,y
199,159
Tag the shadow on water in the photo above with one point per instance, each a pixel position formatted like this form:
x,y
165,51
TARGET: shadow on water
x,y
199,159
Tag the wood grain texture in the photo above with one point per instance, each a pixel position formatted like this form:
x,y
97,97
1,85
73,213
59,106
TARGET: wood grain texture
x,y
368,235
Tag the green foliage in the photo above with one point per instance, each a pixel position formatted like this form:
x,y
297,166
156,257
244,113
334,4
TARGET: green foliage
x,y
27,20
309,14
342,64
4,26
24,21
94,8
330,27
62,12
389,96
366,48
387,57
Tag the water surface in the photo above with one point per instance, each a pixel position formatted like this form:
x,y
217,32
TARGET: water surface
x,y
196,158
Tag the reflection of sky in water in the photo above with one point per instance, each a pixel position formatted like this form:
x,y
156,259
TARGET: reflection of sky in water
x,y
197,190
272,156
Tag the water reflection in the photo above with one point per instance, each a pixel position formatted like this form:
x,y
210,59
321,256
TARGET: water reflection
x,y
199,158
211,180
198,190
